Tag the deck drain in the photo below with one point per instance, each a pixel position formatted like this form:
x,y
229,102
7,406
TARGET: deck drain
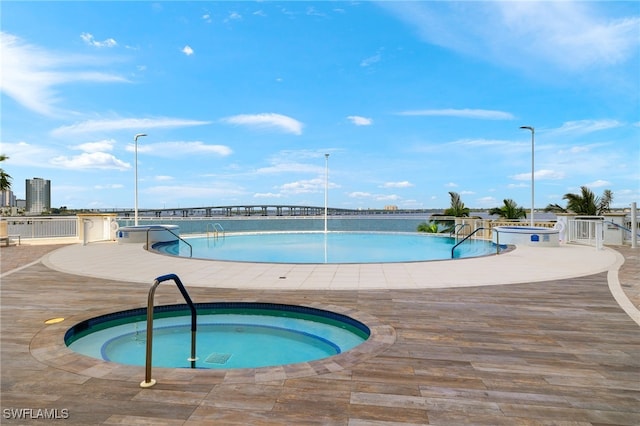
x,y
216,358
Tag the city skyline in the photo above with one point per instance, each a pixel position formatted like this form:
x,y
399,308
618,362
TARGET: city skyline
x,y
241,101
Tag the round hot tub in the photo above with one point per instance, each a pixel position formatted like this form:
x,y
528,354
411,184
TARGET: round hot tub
x,y
526,235
229,335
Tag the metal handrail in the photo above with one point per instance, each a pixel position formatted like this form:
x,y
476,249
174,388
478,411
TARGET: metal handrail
x,y
171,232
215,231
456,231
621,227
465,239
148,381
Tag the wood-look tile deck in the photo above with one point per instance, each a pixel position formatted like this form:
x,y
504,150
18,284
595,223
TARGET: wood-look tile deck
x,y
554,352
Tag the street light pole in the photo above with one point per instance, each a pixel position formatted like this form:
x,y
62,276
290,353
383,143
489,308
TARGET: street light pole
x,y
532,166
326,189
135,196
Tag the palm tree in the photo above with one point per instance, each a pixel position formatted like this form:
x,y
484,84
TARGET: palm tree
x,y
585,203
604,206
509,210
5,179
430,227
457,208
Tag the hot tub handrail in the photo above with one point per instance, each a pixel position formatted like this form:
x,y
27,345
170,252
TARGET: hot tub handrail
x,y
174,234
148,381
465,239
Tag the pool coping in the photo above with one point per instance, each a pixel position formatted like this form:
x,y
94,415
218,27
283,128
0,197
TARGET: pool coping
x,y
132,263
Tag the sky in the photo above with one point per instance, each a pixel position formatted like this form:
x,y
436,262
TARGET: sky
x,y
241,102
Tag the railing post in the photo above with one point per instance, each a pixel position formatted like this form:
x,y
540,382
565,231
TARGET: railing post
x,y
634,225
599,235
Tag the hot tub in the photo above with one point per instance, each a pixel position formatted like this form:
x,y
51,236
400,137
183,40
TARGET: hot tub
x,y
156,234
526,235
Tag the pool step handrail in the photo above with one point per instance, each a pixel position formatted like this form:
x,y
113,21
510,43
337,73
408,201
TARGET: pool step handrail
x,y
148,381
174,234
465,239
458,228
216,229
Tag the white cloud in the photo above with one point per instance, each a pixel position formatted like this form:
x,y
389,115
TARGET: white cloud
x,y
176,192
540,175
25,154
588,126
267,120
100,146
518,185
303,186
599,183
267,195
358,194
451,185
575,150
564,35
86,160
177,149
187,50
371,60
391,197
111,125
163,178
30,74
110,186
233,16
360,121
290,167
486,201
91,41
483,114
403,184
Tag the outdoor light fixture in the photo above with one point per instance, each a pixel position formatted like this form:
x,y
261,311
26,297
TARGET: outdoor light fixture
x,y
135,202
532,169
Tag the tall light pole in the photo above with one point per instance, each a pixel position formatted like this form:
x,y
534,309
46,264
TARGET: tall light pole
x,y
533,132
326,189
135,196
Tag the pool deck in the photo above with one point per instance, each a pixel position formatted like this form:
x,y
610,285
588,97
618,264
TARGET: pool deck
x,y
535,336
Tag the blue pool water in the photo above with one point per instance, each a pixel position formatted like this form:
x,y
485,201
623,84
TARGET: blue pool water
x,y
237,339
332,247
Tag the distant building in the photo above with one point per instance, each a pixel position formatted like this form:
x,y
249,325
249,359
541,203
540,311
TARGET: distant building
x,y
7,199
38,192
391,207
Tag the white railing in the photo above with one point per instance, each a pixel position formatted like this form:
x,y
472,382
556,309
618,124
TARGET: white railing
x,y
43,226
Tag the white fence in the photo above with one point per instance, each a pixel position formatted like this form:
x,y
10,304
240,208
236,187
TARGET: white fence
x,y
43,226
592,230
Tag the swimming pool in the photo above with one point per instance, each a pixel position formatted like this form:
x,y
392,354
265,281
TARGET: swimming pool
x,y
229,335
331,247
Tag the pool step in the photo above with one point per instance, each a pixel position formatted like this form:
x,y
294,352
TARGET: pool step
x,y
216,358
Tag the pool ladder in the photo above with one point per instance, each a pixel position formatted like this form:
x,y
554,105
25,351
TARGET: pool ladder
x,y
216,229
148,381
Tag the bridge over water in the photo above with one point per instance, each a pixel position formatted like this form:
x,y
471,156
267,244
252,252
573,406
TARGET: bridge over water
x,y
264,210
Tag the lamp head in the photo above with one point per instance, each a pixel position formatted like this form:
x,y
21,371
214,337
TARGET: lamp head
x,y
139,135
527,127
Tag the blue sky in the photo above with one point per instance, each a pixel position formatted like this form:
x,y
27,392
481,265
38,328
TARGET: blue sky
x,y
242,100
